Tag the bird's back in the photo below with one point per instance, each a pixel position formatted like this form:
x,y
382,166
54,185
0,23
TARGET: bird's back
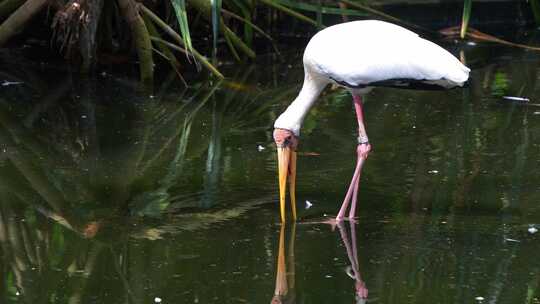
x,y
364,53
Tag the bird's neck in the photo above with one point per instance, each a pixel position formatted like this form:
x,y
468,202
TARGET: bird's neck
x,y
294,115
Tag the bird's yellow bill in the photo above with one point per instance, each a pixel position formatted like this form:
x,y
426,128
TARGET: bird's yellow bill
x,y
287,167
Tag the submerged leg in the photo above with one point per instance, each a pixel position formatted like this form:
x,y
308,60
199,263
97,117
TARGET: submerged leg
x,y
362,152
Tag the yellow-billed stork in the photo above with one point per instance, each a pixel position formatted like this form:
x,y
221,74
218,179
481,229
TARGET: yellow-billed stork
x,y
359,55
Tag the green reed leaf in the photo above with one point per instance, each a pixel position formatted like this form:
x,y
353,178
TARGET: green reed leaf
x,y
467,5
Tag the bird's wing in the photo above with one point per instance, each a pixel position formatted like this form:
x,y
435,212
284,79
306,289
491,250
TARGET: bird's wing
x,y
361,53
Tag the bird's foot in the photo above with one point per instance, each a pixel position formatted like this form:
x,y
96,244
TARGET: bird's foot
x,y
361,289
351,219
363,150
335,221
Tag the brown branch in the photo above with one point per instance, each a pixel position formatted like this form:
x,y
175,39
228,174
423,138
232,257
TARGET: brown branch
x,y
476,34
141,38
16,21
9,6
76,24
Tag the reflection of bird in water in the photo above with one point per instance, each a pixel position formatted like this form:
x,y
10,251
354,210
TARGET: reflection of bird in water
x,y
353,270
360,55
284,291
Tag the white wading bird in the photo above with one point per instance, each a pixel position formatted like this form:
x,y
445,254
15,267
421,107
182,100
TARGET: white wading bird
x,y
360,55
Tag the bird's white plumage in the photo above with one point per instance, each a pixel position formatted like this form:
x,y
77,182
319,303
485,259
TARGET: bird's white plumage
x,y
358,53
362,52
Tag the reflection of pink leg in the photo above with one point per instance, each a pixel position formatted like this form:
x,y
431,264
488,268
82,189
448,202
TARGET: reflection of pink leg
x,y
345,239
360,286
354,250
352,254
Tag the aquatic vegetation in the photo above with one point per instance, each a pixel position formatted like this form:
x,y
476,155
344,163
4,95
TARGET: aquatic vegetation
x,y
185,34
467,6
112,196
84,29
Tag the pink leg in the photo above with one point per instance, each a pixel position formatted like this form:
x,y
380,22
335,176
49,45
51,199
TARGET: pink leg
x,y
353,189
352,211
362,152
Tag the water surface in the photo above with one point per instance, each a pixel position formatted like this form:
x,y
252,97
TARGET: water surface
x,y
110,195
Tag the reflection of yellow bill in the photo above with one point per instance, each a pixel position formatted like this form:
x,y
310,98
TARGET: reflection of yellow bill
x,y
287,166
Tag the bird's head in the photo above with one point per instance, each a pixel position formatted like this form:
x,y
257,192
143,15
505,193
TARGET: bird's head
x,y
286,143
285,138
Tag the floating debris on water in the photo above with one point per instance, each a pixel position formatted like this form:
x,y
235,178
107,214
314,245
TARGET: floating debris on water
x,y
479,298
532,230
157,300
433,171
511,240
260,148
309,154
308,204
6,83
515,98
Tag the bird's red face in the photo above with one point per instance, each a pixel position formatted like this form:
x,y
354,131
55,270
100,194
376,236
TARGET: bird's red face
x,y
286,143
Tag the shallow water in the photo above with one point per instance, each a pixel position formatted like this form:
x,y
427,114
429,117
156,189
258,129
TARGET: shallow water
x,y
113,196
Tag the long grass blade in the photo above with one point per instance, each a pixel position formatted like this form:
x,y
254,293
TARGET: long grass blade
x,y
467,5
181,15
216,17
163,48
535,8
252,26
165,27
326,10
196,54
289,11
319,14
232,48
248,25
236,41
375,12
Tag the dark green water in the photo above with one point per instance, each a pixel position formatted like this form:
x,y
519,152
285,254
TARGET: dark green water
x,y
112,196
